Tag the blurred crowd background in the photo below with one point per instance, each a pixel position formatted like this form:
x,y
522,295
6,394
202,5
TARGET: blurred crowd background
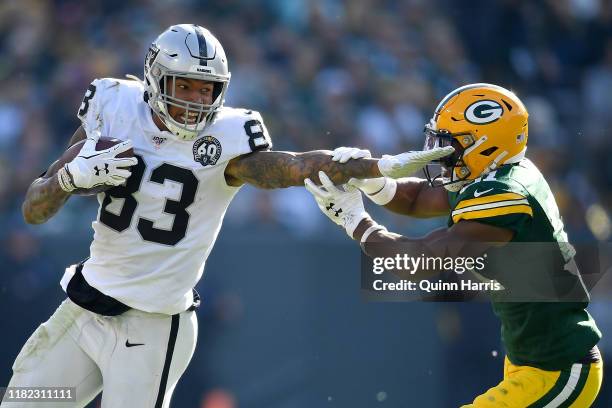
x,y
323,73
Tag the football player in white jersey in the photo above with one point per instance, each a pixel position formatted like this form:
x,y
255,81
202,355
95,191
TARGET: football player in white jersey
x,y
128,324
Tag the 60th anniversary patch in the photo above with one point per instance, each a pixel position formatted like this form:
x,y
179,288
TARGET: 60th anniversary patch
x,y
206,150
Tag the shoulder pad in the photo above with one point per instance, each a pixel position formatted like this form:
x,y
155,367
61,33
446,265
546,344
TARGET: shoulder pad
x,y
99,94
249,125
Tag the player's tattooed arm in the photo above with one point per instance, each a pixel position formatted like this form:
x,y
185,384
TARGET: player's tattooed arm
x,y
272,169
45,197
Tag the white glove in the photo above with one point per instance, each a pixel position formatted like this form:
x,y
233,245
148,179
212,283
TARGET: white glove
x,y
406,164
344,154
93,167
344,207
380,190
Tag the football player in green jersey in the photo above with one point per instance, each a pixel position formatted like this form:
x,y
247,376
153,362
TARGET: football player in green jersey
x,y
493,195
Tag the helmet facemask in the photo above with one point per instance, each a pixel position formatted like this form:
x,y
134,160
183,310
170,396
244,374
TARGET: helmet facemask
x,y
165,96
450,171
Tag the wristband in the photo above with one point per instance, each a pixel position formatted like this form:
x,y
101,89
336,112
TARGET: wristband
x,y
369,231
65,180
385,194
351,222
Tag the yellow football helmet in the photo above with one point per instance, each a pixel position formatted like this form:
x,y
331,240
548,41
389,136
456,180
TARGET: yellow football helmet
x,y
487,126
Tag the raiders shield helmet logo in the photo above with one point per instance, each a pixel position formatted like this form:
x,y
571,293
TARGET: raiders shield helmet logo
x,y
207,150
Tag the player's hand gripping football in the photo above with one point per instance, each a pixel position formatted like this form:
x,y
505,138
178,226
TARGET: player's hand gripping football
x,y
342,206
93,167
406,164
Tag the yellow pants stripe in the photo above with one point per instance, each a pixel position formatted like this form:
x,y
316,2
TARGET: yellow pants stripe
x,y
529,387
591,387
566,389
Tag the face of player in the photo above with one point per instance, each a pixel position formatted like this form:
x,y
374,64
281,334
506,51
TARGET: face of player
x,y
190,90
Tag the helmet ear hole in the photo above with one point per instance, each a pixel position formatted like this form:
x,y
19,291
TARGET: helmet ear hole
x,y
217,88
489,151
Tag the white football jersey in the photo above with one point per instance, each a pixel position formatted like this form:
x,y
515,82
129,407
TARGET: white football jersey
x,y
153,235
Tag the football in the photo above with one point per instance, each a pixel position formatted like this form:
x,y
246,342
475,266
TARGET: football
x,y
73,151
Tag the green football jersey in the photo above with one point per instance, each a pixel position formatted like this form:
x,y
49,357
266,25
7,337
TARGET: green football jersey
x,y
550,335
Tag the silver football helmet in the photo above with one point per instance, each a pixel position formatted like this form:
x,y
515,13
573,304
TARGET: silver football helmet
x,y
187,51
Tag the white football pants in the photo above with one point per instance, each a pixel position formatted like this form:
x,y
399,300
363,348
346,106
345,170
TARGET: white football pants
x,y
135,358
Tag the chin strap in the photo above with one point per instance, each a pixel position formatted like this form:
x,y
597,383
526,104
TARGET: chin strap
x,y
456,185
495,163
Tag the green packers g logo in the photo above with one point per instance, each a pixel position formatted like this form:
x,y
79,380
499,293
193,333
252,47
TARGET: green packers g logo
x,y
483,112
